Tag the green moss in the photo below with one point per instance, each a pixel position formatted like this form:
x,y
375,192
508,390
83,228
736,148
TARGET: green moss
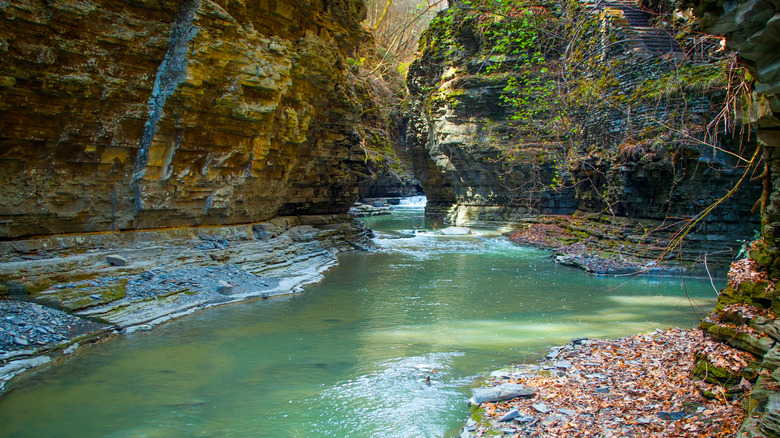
x,y
689,77
478,415
84,296
705,370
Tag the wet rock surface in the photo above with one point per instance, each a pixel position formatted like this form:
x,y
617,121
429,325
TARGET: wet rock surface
x,y
603,248
25,325
72,289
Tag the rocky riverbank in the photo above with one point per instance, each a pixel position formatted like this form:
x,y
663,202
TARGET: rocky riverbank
x,y
61,291
635,386
602,246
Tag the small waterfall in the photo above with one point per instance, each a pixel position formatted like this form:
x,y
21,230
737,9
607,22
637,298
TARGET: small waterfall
x,y
413,202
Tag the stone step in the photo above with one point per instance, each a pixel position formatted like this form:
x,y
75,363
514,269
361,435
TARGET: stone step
x,y
648,39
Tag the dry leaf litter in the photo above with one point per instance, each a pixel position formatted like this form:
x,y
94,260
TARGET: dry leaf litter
x,y
634,386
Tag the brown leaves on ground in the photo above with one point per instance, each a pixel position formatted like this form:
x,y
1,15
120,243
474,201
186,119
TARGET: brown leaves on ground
x,y
746,312
747,270
635,386
724,356
544,235
593,245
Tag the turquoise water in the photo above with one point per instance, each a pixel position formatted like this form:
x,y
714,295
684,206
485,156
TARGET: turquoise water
x,y
349,357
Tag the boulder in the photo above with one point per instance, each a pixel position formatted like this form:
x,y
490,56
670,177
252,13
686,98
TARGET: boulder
x,y
455,231
770,421
506,391
116,260
224,287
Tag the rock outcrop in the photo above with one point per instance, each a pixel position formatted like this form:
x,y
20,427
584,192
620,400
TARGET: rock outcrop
x,y
160,157
610,125
752,29
144,114
746,315
124,282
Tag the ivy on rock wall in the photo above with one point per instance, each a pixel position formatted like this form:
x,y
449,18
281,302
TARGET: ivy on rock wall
x,y
530,108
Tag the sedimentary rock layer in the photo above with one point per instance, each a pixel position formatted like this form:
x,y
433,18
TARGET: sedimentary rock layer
x,y
138,114
617,131
747,313
133,280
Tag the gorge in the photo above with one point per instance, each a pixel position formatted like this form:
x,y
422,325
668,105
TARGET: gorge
x,y
161,157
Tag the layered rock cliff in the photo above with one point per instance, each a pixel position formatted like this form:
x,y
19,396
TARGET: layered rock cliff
x,y
143,114
200,151
746,314
590,111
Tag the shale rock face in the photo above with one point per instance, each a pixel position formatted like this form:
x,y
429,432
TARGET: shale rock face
x,y
607,140
139,114
752,29
748,308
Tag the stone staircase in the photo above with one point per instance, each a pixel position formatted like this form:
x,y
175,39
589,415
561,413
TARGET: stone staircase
x,y
644,37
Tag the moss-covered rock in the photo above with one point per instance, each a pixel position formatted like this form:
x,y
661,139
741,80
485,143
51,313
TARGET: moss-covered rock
x,y
740,337
500,137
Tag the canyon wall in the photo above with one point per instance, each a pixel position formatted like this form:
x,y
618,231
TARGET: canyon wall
x,y
140,114
607,117
752,30
746,314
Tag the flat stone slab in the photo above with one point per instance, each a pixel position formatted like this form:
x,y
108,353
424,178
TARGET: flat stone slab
x,y
116,260
506,391
455,231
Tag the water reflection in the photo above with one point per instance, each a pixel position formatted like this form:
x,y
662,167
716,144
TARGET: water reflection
x,y
350,356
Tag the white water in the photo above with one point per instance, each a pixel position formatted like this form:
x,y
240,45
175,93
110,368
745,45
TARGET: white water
x,y
413,202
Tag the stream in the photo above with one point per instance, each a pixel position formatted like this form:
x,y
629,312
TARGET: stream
x,y
349,356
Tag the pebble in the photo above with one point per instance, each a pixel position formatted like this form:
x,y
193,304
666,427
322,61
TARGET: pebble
x,y
15,320
599,376
224,287
28,324
673,416
512,414
541,408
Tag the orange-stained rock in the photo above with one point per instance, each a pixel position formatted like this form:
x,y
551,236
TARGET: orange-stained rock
x,y
144,114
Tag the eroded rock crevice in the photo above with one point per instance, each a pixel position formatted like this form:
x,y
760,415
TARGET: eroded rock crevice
x,y
133,115
171,73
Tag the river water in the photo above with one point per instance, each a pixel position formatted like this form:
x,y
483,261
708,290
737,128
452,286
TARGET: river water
x,y
348,357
